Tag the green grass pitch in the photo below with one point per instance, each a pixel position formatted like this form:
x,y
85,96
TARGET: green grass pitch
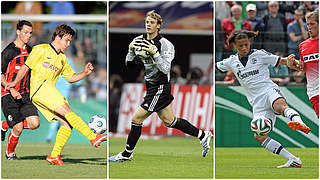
x,y
258,163
84,161
169,158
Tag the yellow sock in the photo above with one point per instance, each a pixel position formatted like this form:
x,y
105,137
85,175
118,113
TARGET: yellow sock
x,y
61,139
77,123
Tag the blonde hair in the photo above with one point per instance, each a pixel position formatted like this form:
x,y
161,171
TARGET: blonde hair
x,y
314,14
155,16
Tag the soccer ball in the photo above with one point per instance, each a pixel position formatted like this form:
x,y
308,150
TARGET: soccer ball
x,y
261,125
98,124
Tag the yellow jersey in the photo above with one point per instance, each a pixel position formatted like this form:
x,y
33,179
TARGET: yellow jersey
x,y
47,65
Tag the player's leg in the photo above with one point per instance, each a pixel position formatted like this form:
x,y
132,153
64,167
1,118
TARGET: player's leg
x,y
4,129
13,139
77,123
169,120
136,124
10,109
264,106
62,137
280,106
276,148
31,122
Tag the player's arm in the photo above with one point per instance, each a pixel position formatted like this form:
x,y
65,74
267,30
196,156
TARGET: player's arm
x,y
88,69
291,62
21,73
14,93
132,46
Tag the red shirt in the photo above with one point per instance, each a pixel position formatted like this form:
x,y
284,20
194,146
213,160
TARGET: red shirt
x,y
12,58
309,54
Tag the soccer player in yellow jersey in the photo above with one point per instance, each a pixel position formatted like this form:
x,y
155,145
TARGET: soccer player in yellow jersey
x,y
47,62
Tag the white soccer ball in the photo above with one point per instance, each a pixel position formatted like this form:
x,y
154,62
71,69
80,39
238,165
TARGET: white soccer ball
x,y
98,124
261,125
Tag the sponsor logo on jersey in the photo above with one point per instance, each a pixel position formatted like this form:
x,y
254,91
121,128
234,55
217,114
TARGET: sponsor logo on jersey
x,y
50,66
17,67
247,74
311,57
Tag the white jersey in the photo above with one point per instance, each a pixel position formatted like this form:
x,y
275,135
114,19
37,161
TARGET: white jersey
x,y
252,72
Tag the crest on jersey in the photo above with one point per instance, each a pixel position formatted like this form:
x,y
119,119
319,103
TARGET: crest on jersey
x,y
253,61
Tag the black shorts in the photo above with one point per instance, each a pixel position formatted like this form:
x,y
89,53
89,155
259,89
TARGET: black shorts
x,y
15,110
157,97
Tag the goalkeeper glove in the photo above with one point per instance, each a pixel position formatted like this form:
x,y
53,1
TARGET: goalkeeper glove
x,y
150,48
134,45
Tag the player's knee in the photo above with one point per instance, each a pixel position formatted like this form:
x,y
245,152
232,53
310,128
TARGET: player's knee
x,y
280,105
260,139
137,120
34,122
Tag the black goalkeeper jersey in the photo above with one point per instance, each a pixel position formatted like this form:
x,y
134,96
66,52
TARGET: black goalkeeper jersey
x,y
12,58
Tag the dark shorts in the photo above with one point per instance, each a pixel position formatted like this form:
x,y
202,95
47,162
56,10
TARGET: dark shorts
x,y
157,97
16,111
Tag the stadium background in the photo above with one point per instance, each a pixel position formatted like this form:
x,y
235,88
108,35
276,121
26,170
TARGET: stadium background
x,y
86,98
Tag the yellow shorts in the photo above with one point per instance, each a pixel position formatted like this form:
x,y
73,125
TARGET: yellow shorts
x,y
47,99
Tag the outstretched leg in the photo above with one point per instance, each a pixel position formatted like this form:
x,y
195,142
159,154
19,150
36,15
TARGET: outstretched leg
x,y
77,123
296,123
169,120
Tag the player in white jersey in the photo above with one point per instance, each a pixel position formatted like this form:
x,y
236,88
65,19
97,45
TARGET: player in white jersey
x,y
250,67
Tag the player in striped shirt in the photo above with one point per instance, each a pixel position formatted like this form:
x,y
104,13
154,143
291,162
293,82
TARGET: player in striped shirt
x,y
156,53
309,59
15,102
250,67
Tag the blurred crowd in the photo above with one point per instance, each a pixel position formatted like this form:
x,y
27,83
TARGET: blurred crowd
x,y
83,49
281,26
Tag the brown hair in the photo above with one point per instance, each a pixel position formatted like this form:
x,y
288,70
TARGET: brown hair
x,y
240,34
313,14
62,30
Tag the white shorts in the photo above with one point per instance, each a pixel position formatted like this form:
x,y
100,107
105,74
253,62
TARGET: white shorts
x,y
263,105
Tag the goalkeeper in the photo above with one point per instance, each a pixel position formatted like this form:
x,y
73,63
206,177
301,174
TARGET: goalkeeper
x,y
156,53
